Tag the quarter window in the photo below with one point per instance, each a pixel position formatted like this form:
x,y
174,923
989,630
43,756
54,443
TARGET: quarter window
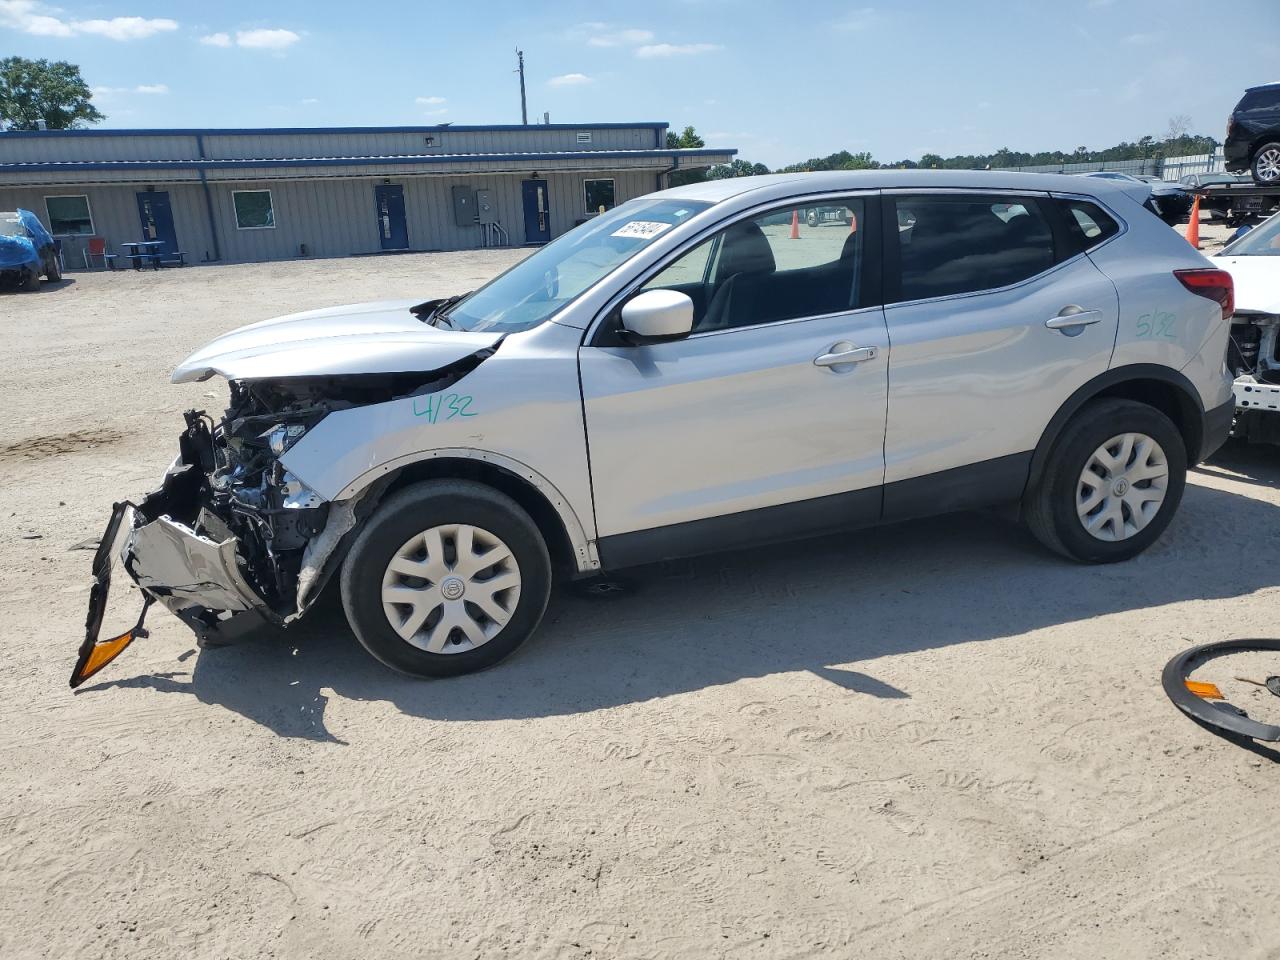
x,y
1087,224
599,195
782,265
954,245
253,209
69,216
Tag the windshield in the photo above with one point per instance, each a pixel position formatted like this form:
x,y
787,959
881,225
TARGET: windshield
x,y
535,288
1262,241
11,225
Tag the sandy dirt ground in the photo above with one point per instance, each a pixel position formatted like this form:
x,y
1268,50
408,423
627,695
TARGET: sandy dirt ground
x,y
928,740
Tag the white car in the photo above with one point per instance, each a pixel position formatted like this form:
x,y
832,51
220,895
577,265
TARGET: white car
x,y
1253,353
692,371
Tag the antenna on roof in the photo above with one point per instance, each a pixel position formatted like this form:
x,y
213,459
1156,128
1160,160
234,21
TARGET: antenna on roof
x,y
524,110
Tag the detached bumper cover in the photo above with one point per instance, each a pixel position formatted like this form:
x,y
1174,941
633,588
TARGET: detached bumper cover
x,y
197,579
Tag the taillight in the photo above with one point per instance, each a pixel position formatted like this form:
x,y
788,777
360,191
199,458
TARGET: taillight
x,y
1214,284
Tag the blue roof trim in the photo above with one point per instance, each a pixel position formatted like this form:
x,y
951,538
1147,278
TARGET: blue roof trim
x,y
47,166
311,131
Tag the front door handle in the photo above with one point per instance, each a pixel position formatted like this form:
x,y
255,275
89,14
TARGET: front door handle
x,y
1072,318
842,353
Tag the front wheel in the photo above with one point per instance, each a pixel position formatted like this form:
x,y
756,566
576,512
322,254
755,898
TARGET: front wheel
x,y
1111,484
30,282
447,577
52,268
1266,164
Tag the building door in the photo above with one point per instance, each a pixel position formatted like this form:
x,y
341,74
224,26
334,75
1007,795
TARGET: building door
x,y
157,219
537,211
393,229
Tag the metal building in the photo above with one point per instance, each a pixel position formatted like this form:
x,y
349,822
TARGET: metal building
x,y
275,194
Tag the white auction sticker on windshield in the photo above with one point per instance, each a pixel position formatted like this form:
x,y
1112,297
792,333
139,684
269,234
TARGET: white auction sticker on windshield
x,y
641,229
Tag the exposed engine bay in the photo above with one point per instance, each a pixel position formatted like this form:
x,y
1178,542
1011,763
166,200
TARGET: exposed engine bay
x,y
1253,356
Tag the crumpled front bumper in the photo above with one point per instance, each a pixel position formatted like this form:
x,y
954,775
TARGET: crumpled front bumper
x,y
198,579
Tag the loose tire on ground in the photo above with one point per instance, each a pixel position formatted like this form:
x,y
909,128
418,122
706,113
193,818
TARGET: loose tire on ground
x,y
372,573
1051,509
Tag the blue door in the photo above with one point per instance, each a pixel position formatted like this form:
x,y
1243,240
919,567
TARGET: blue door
x,y
537,211
393,229
157,220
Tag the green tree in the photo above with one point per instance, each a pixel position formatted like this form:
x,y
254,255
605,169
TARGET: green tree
x,y
739,168
688,139
32,90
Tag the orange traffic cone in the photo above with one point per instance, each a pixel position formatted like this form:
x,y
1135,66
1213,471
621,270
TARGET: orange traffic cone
x,y
1193,224
795,224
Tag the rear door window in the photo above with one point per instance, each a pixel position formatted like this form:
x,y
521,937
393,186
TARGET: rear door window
x,y
950,245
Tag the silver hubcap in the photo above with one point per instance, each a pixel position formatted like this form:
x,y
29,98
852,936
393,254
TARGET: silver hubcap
x,y
451,588
1268,165
1122,486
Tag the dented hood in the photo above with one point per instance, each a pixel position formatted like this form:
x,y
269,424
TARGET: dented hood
x,y
381,337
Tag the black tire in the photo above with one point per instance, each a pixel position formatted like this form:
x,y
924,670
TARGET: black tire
x,y
52,268
30,282
419,508
811,218
1049,508
1264,167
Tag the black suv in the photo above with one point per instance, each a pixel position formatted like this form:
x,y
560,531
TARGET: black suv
x,y
1253,134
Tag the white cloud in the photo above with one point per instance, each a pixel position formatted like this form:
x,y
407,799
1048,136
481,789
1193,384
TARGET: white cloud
x,y
266,39
570,80
430,101
662,50
217,40
628,37
26,16
143,88
1142,39
125,28
859,19
435,113
308,101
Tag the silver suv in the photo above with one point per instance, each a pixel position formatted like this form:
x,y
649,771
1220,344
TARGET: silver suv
x,y
695,370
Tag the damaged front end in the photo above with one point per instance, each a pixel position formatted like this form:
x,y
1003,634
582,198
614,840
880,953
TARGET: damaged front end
x,y
231,540
1253,354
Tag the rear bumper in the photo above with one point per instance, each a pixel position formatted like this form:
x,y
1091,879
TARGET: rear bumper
x,y
1235,155
1217,427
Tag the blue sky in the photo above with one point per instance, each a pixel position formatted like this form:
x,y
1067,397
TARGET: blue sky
x,y
782,81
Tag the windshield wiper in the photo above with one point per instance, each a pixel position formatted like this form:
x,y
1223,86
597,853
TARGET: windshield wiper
x,y
433,311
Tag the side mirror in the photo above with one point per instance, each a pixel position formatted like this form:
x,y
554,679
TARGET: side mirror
x,y
657,315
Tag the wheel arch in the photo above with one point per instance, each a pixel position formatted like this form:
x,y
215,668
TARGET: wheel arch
x,y
1161,387
567,540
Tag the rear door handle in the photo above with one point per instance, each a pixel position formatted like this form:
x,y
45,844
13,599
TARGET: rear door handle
x,y
841,355
1078,318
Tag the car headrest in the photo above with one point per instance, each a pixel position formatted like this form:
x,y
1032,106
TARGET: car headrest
x,y
745,250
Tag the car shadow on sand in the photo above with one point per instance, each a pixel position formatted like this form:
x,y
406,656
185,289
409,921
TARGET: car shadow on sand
x,y
820,605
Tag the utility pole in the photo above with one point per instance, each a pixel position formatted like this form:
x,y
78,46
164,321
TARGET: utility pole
x,y
524,110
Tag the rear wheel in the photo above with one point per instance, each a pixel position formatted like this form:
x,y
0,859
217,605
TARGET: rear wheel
x,y
52,268
447,577
1266,164
1111,484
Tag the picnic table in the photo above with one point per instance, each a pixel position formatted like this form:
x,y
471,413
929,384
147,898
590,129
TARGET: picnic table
x,y
140,250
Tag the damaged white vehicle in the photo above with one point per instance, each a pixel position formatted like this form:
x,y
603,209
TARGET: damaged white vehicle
x,y
1254,352
696,370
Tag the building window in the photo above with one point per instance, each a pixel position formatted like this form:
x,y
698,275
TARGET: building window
x,y
599,195
253,209
69,216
